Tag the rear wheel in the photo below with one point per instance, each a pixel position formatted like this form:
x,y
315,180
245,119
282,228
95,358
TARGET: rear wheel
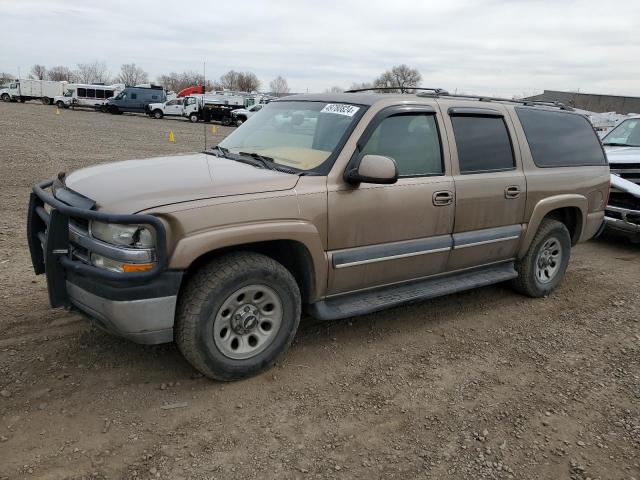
x,y
237,315
545,263
45,100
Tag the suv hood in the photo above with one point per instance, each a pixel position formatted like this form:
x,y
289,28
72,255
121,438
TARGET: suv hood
x,y
623,154
135,185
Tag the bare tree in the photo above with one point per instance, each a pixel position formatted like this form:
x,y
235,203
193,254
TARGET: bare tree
x,y
248,82
131,75
279,86
360,85
245,82
334,89
38,72
94,72
60,74
229,80
6,77
399,78
178,81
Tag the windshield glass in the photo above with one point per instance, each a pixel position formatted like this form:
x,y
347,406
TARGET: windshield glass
x,y
69,93
627,134
302,135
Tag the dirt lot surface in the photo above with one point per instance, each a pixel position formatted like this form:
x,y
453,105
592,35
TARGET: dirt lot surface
x,y
484,384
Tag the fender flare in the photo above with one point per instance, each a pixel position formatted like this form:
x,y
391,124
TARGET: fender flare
x,y
546,205
188,249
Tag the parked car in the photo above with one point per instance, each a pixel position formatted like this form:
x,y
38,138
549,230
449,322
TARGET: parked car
x,y
173,107
243,114
87,95
336,204
622,145
25,89
135,99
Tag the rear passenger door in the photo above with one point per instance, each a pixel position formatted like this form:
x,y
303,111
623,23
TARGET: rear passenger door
x,y
490,186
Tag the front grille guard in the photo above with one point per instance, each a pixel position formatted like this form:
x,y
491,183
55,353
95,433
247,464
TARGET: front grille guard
x,y
48,237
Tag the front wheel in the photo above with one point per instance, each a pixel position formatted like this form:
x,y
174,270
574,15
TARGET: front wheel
x,y
6,97
60,104
237,315
157,114
545,263
193,118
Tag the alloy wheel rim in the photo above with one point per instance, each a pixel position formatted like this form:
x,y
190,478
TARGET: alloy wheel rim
x,y
247,322
548,260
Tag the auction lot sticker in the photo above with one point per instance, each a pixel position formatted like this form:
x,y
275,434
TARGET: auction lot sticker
x,y
340,109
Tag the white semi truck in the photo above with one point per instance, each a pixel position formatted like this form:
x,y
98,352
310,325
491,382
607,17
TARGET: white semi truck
x,y
25,89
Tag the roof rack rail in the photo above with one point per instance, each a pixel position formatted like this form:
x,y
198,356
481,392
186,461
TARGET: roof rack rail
x,y
528,103
436,91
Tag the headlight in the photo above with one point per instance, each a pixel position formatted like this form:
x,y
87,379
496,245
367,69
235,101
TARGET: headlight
x,y
133,236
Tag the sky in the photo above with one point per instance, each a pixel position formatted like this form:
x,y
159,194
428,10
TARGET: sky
x,y
487,47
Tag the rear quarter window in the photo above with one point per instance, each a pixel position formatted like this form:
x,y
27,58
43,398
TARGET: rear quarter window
x,y
560,139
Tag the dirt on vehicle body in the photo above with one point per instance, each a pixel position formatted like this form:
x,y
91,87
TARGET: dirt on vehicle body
x,y
338,205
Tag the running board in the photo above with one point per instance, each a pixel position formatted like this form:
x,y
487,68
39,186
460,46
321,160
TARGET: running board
x,y
361,303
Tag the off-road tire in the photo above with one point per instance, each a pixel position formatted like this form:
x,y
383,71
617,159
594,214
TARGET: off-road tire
x,y
527,282
204,295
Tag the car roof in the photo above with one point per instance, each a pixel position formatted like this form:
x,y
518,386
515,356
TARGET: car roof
x,y
357,98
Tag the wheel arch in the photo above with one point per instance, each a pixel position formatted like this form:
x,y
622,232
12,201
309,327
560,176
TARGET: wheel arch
x,y
296,245
570,209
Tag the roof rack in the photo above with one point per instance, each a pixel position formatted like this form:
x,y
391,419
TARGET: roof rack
x,y
436,91
528,103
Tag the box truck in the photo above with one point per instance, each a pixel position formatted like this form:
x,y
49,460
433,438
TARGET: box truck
x,y
25,89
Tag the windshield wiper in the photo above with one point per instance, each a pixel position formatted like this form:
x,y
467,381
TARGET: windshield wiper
x,y
267,162
618,144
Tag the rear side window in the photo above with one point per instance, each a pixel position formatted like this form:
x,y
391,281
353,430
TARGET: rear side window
x,y
483,143
560,139
134,96
91,93
411,140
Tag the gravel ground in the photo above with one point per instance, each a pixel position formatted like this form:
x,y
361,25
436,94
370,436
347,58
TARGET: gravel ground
x,y
483,384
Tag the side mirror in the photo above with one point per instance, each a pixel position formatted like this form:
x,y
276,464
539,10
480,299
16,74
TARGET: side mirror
x,y
374,169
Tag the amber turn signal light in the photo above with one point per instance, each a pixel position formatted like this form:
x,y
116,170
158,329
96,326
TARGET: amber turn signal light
x,y
137,267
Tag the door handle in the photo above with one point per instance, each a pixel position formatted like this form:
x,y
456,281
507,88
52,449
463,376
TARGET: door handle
x,y
512,191
443,197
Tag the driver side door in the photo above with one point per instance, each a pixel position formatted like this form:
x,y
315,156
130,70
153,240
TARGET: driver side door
x,y
383,234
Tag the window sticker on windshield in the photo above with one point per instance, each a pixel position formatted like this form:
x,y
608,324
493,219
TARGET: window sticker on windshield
x,y
340,109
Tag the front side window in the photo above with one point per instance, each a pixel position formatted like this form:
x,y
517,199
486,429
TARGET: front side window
x,y
483,143
82,92
560,139
297,134
411,140
108,93
626,134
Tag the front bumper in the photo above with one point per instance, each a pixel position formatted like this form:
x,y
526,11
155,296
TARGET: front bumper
x,y
622,221
139,306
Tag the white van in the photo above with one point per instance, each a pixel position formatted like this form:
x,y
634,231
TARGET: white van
x,y
84,95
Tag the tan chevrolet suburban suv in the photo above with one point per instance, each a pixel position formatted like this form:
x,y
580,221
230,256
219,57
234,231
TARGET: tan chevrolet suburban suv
x,y
336,205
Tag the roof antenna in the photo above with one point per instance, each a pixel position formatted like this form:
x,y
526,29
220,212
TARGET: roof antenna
x,y
204,86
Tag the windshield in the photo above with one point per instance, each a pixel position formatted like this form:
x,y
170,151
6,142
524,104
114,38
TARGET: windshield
x,y
69,93
301,135
626,134
120,96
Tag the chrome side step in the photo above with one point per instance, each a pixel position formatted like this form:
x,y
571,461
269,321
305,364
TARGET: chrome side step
x,y
369,301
